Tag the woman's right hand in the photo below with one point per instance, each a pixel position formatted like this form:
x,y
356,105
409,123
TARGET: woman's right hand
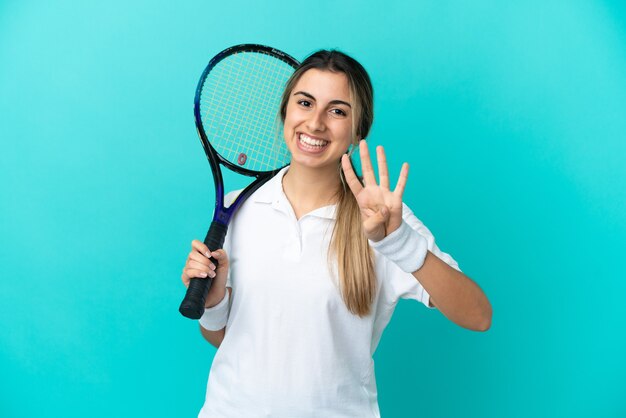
x,y
199,266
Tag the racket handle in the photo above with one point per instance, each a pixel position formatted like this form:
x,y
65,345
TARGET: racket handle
x,y
192,305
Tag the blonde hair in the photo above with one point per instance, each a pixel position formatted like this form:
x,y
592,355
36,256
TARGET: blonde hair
x,y
355,261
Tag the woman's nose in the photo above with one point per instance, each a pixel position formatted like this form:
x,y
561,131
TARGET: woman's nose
x,y
316,121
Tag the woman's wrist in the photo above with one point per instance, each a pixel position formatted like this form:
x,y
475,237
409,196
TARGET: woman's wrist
x,y
215,317
214,298
404,246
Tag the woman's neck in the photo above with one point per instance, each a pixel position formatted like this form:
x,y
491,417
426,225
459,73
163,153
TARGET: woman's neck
x,y
308,188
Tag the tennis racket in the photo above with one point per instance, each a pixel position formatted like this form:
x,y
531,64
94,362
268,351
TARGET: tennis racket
x,y
236,112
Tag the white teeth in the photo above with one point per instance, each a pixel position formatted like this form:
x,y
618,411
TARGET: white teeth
x,y
313,142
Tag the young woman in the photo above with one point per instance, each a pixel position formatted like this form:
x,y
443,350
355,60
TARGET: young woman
x,y
315,262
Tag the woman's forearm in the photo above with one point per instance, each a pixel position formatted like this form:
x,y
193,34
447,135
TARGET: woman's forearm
x,y
215,297
215,338
454,294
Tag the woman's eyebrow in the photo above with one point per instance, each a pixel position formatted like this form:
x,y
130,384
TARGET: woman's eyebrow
x,y
310,96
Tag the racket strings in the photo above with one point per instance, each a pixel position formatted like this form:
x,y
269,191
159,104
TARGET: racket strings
x,y
239,107
256,110
267,118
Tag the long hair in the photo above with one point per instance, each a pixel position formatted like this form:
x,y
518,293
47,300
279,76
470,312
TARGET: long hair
x,y
355,262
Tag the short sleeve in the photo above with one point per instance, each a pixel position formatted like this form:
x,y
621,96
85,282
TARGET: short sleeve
x,y
411,219
399,284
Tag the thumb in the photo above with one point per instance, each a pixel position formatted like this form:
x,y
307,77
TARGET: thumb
x,y
220,256
384,213
381,216
375,225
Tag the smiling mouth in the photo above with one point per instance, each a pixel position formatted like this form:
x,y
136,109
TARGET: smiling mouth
x,y
311,143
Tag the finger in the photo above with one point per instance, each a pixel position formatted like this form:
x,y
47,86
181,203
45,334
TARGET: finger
x,y
200,247
198,272
185,279
201,258
404,175
353,181
220,256
383,174
199,266
366,164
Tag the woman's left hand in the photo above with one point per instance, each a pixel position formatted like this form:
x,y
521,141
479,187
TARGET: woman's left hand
x,y
381,208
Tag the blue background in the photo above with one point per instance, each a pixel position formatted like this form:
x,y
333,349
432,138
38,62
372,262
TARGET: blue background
x,y
511,115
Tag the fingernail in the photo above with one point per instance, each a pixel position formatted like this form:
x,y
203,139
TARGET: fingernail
x,y
203,274
212,274
208,254
212,266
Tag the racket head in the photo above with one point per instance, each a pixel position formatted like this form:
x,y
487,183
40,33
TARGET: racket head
x,y
236,108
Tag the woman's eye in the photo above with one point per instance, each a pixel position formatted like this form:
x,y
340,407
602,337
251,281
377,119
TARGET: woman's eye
x,y
338,112
304,103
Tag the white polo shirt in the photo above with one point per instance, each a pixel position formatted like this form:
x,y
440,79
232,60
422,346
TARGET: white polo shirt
x,y
291,347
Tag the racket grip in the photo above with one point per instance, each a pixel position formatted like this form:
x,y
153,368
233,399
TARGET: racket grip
x,y
192,305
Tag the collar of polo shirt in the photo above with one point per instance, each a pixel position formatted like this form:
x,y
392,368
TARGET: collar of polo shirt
x,y
272,193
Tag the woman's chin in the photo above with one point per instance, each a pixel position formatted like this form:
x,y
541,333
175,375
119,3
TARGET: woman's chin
x,y
312,162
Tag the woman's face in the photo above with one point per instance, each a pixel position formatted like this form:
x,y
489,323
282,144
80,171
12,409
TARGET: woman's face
x,y
318,120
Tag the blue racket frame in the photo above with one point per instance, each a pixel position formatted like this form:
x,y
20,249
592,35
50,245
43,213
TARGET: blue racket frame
x,y
192,305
